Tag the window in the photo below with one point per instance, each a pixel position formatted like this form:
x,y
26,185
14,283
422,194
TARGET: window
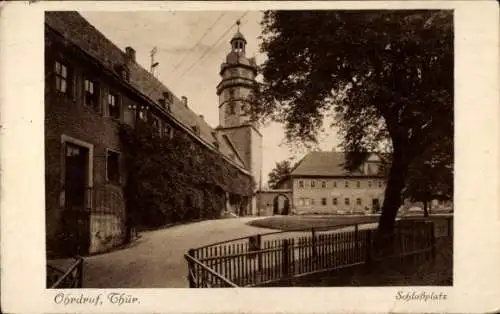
x,y
90,96
334,201
323,201
380,184
301,202
167,131
323,184
369,184
313,184
113,108
334,184
346,201
358,184
156,126
347,184
113,166
142,115
358,201
61,77
301,184
312,201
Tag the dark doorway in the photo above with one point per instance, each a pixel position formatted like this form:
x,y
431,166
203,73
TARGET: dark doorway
x,y
76,215
281,208
375,205
286,207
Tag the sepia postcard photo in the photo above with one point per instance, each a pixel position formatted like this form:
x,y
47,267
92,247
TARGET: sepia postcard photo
x,y
266,157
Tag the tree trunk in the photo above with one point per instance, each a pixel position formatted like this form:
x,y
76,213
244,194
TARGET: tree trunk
x,y
392,201
426,212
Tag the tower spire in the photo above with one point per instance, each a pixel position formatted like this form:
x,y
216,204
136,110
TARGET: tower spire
x,y
238,23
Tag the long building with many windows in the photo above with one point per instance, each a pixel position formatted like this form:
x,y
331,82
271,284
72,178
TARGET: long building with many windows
x,y
319,184
92,87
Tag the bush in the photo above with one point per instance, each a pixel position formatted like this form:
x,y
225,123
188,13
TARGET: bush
x,y
175,180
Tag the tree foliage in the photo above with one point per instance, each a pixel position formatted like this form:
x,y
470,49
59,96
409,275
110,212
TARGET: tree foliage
x,y
430,175
280,172
386,76
176,179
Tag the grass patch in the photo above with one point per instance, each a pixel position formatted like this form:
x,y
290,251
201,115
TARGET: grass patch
x,y
290,223
416,272
437,272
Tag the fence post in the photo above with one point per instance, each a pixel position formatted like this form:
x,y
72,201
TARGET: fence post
x,y
259,258
285,257
356,239
368,247
433,241
191,269
80,274
313,246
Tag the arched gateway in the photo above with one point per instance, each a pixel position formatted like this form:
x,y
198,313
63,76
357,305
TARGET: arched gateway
x,y
274,202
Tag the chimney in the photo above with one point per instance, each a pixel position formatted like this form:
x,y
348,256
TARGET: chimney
x,y
130,54
201,116
185,100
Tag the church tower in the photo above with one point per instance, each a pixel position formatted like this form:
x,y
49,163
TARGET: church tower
x,y
237,83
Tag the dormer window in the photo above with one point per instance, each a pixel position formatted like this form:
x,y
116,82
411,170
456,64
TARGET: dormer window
x,y
167,96
124,72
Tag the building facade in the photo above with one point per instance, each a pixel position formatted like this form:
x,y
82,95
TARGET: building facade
x,y
320,184
91,88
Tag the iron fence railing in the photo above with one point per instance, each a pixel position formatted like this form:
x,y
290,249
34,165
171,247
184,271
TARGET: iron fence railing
x,y
262,259
72,277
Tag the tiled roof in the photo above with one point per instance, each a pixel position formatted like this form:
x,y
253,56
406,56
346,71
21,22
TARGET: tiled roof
x,y
323,164
80,32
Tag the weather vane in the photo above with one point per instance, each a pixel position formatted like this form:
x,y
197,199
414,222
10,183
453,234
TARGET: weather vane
x,y
238,24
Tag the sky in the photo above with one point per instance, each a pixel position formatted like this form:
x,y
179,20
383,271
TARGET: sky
x,y
191,45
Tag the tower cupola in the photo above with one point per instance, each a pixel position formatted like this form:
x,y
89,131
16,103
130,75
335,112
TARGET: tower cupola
x,y
238,42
